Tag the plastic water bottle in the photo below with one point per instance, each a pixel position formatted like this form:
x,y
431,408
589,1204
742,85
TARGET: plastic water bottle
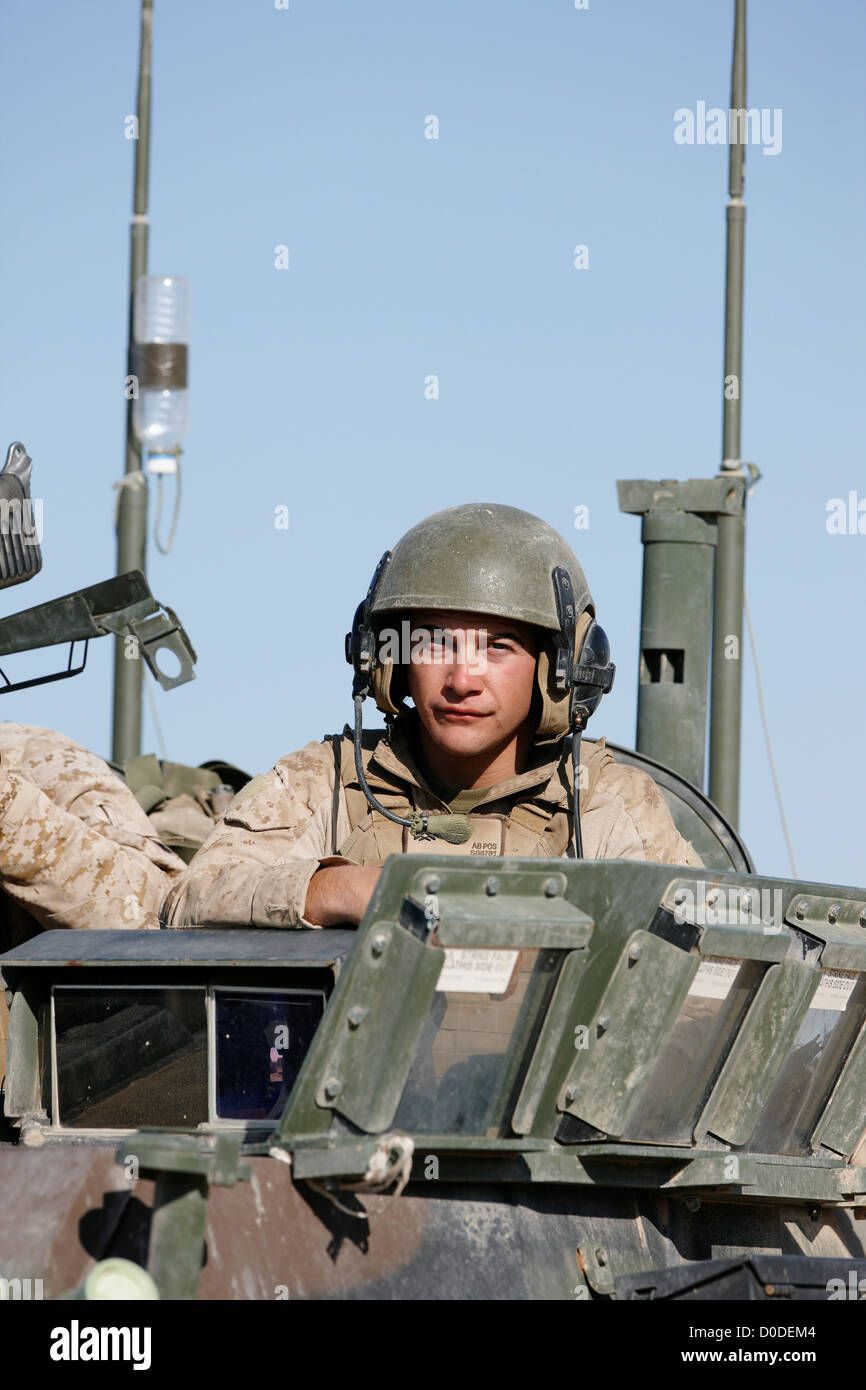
x,y
160,414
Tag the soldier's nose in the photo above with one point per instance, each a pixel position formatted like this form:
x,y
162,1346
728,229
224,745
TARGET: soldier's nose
x,y
463,679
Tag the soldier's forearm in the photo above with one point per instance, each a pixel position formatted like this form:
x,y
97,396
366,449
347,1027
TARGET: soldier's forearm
x,y
340,893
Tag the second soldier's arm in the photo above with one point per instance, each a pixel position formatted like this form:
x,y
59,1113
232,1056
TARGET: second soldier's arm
x,y
256,867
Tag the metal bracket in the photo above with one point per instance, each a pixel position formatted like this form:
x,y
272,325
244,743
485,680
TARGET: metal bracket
x,y
123,605
838,922
155,631
215,1158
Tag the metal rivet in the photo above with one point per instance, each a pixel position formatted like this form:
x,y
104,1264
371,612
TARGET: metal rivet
x,y
603,1023
801,911
634,951
693,1204
332,1087
601,1255
571,1093
680,896
356,1015
378,944
862,918
432,884
551,887
833,914
491,887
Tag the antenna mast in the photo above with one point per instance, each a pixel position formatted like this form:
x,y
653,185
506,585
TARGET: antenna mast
x,y
726,687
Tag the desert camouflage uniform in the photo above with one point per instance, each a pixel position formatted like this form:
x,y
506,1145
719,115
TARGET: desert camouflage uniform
x,y
255,868
76,849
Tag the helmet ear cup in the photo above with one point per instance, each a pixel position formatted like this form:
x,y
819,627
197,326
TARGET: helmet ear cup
x,y
593,671
382,683
554,720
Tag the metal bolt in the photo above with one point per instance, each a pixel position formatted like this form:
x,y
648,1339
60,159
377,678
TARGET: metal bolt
x,y
571,1094
634,951
433,884
801,911
693,1204
551,888
603,1023
601,1255
814,1213
833,914
862,918
332,1087
491,886
356,1015
378,944
680,896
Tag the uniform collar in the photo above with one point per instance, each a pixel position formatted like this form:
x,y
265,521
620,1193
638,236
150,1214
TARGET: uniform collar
x,y
399,757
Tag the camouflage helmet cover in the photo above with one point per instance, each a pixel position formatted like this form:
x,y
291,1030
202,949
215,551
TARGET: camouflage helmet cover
x,y
491,559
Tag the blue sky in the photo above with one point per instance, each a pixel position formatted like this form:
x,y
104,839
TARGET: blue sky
x,y
453,257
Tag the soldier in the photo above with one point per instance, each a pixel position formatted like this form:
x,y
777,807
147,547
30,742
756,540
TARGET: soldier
x,y
76,849
475,615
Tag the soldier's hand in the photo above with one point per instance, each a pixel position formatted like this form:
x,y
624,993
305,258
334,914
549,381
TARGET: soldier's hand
x,y
340,893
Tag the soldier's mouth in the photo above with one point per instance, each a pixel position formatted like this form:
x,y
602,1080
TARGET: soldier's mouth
x,y
458,716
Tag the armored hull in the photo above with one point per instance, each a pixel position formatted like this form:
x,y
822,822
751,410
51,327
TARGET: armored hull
x,y
514,1080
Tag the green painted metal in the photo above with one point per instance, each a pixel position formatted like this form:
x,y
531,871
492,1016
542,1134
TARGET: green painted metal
x,y
21,1087
176,1251
213,1157
620,952
364,1050
553,1052
842,1125
618,1166
727,664
678,533
517,916
132,505
184,1166
721,911
838,922
758,1053
628,1019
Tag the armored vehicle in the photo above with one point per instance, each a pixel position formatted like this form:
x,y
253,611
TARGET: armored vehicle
x,y
584,1080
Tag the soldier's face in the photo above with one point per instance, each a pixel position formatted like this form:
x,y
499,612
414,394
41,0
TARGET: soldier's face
x,y
471,678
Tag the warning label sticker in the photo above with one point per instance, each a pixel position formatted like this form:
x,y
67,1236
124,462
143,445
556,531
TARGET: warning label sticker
x,y
476,971
715,977
835,990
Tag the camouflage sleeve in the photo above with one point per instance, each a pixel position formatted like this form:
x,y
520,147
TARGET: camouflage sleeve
x,y
255,867
76,850
646,820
